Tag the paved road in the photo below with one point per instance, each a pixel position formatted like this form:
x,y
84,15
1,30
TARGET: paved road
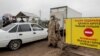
x,y
38,48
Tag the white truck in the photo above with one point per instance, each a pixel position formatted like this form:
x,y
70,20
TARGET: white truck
x,y
62,13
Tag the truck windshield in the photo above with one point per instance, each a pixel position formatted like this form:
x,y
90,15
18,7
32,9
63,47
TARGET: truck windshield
x,y
8,27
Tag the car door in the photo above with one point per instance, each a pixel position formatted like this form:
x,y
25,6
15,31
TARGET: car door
x,y
25,33
39,32
13,32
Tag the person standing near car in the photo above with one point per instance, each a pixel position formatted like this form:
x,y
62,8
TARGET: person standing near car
x,y
53,32
6,21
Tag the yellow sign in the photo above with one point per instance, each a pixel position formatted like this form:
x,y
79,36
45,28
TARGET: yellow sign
x,y
83,32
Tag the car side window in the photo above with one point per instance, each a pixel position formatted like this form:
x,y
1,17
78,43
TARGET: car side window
x,y
14,29
36,27
24,28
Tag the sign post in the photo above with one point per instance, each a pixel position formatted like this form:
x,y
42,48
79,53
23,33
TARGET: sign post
x,y
83,32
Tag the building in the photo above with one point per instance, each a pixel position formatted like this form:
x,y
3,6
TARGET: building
x,y
27,17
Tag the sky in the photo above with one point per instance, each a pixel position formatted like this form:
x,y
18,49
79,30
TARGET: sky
x,y
88,8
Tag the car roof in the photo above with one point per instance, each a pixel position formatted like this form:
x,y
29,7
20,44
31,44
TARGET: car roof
x,y
24,23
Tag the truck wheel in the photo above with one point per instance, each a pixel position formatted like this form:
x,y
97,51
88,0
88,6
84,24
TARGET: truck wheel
x,y
14,45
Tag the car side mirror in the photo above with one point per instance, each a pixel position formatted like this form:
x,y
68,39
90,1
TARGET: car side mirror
x,y
42,29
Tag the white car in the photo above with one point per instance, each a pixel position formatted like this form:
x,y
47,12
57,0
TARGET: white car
x,y
15,34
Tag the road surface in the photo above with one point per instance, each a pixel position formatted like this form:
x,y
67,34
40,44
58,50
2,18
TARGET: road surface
x,y
38,48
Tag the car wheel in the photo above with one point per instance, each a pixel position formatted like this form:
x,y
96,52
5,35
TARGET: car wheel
x,y
14,45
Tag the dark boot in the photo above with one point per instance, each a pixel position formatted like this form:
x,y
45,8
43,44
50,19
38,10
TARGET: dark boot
x,y
50,45
55,45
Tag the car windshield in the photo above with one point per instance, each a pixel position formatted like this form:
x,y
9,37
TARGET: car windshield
x,y
8,27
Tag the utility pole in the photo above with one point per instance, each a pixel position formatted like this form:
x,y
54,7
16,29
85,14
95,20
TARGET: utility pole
x,y
39,21
40,13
